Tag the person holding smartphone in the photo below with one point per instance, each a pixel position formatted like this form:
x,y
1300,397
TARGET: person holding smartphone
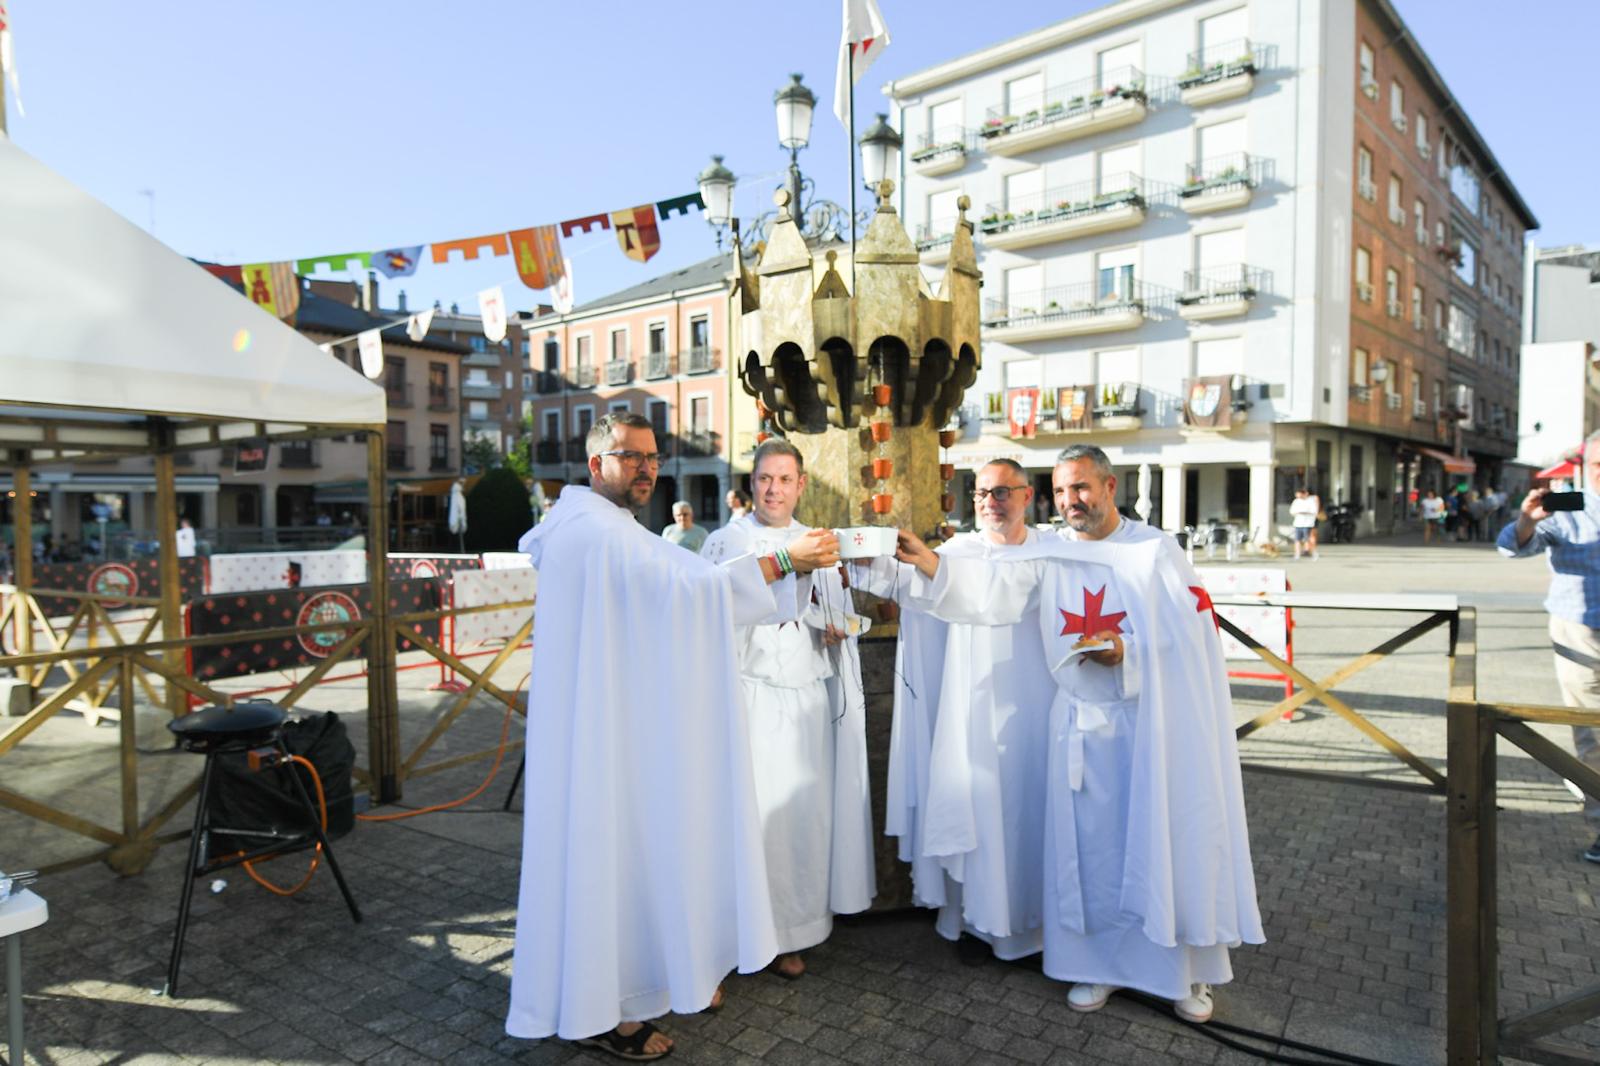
x,y
1566,525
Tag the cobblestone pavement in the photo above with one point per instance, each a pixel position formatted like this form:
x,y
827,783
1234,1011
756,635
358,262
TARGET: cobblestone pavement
x,y
1350,879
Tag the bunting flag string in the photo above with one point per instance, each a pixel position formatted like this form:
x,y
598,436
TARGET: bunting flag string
x,y
536,250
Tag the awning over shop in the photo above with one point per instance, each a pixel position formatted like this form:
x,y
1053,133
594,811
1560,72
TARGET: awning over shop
x,y
1453,464
1566,469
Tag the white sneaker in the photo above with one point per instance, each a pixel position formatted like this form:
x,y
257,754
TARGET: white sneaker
x,y
1196,1006
1085,998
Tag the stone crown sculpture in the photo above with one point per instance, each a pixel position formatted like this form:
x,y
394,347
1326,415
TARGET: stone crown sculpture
x,y
812,350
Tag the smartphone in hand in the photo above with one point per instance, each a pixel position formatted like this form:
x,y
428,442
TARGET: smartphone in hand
x,y
1562,501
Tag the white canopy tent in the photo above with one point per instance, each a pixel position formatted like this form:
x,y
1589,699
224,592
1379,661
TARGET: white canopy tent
x,y
102,328
112,344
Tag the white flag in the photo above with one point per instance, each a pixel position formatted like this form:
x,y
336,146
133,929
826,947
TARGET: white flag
x,y
492,305
864,36
561,292
8,62
370,345
418,325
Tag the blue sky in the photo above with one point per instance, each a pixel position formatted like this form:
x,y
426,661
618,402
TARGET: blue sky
x,y
285,130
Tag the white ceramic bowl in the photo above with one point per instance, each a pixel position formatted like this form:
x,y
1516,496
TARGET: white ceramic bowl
x,y
866,542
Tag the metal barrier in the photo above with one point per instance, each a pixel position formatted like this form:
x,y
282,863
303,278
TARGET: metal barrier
x,y
1476,1032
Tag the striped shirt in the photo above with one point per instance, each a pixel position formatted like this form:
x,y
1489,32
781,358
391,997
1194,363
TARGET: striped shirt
x,y
1573,540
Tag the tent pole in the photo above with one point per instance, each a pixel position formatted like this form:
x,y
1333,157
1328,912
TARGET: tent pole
x,y
168,582
383,699
22,552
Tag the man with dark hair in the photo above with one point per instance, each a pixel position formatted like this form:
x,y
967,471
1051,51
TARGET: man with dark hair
x,y
643,878
738,502
807,721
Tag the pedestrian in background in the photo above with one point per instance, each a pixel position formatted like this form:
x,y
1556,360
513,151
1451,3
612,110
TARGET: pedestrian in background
x,y
1572,541
1432,517
1303,515
683,532
738,502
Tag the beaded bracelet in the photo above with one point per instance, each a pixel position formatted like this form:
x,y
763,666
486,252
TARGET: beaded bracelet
x,y
785,563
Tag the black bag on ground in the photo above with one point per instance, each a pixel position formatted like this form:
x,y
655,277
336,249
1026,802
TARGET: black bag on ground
x,y
265,801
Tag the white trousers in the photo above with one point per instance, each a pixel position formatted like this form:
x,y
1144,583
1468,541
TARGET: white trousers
x,y
1577,652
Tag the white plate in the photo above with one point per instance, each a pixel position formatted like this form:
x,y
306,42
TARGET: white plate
x,y
854,625
866,542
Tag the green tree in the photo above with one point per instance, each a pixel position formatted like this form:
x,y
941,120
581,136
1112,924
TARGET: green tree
x,y
497,511
479,455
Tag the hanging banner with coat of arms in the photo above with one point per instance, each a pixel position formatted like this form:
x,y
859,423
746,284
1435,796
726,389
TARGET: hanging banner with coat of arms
x,y
1209,403
637,232
273,287
492,306
370,344
1022,411
1075,407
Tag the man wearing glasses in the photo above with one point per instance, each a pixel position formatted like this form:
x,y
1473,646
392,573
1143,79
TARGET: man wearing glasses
x,y
643,878
807,714
968,775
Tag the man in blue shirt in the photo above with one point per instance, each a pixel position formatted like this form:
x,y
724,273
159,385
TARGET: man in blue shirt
x,y
1572,539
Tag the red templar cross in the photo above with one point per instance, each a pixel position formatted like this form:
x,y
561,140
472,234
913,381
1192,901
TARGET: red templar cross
x,y
1091,621
1203,603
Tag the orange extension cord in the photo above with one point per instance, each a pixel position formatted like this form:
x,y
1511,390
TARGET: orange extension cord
x,y
322,805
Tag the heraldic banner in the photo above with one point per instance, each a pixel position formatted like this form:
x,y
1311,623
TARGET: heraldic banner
x,y
1209,402
1075,407
1022,411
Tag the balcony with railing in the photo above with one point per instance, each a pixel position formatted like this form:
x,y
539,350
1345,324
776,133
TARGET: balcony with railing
x,y
547,382
440,399
1221,183
297,455
397,456
398,394
1065,311
480,389
439,459
1116,202
658,365
1220,72
697,444
1219,291
578,450
940,152
619,371
703,360
934,238
583,376
547,452
1118,405
1077,109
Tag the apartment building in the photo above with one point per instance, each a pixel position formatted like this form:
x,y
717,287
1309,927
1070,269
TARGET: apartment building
x,y
492,376
655,349
1245,245
1561,336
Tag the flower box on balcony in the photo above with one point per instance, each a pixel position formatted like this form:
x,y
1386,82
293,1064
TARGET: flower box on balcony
x,y
1060,121
940,158
1104,213
1223,301
1221,81
1222,191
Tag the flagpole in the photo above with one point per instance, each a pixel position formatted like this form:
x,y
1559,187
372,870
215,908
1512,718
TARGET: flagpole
x,y
850,147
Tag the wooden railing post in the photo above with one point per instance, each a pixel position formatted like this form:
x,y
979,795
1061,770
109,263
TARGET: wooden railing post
x,y
383,698
22,552
169,584
1471,901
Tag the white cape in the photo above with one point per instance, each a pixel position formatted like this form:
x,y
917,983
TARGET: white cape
x,y
852,877
643,880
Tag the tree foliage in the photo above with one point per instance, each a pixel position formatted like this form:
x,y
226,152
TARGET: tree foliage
x,y
497,511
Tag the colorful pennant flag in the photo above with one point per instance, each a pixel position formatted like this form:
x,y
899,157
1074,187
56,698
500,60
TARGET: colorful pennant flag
x,y
561,293
418,325
471,246
680,204
335,263
492,306
398,262
637,232
537,252
582,224
272,287
370,344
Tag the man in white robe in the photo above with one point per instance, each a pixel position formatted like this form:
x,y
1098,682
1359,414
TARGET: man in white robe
x,y
968,757
1147,878
807,722
643,881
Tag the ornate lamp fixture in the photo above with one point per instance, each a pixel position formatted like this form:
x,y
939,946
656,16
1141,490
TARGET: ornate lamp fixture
x,y
812,349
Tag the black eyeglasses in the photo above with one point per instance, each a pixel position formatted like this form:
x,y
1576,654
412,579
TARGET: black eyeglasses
x,y
632,458
1001,493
